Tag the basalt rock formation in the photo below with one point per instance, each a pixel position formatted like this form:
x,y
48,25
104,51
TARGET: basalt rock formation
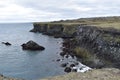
x,y
31,45
56,30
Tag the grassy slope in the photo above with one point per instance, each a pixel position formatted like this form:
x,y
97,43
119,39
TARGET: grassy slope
x,y
98,74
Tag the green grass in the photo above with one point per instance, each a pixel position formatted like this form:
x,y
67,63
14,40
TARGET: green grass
x,y
104,22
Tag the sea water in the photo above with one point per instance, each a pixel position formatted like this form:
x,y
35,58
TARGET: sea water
x,y
31,65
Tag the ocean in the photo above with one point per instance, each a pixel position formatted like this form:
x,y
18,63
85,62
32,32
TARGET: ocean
x,y
29,65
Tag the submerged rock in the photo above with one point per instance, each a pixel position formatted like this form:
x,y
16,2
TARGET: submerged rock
x,y
6,43
31,45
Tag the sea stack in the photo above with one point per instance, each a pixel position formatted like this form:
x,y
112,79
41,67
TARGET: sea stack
x,y
31,45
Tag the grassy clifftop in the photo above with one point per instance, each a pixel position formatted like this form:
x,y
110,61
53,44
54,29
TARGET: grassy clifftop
x,y
113,21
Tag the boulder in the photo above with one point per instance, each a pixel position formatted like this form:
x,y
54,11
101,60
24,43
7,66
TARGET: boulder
x,y
67,69
64,64
31,45
72,65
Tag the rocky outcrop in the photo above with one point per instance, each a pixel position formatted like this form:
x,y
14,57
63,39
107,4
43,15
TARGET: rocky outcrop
x,y
31,45
97,74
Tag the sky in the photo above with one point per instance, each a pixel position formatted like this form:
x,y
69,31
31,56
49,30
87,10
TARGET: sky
x,y
50,10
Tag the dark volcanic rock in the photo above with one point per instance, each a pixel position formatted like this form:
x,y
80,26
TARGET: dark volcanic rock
x,y
62,54
64,64
58,60
6,43
31,45
68,69
72,65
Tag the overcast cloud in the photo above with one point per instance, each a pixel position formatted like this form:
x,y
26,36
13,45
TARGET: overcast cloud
x,y
47,10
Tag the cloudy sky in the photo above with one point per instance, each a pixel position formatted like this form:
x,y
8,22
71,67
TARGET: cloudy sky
x,y
47,10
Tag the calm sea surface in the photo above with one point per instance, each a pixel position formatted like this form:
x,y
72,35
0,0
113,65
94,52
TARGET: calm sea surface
x,y
30,65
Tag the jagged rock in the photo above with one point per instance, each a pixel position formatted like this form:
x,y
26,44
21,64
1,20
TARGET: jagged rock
x,y
31,45
6,43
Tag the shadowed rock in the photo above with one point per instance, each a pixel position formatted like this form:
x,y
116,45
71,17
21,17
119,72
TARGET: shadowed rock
x,y
64,64
67,69
31,45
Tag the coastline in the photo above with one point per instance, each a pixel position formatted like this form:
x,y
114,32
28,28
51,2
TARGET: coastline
x,y
87,38
100,51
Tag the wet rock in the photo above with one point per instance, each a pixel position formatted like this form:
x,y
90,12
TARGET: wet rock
x,y
72,65
62,54
68,69
58,60
31,45
76,63
64,64
6,43
81,67
67,56
74,70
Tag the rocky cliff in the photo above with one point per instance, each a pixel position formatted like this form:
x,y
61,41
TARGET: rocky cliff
x,y
102,44
94,46
56,30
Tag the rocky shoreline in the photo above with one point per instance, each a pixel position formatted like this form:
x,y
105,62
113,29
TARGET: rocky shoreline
x,y
99,46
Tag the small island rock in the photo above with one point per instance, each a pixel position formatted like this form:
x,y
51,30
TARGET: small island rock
x,y
31,45
6,43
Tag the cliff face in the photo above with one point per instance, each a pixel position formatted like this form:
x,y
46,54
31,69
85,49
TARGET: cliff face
x,y
105,43
99,74
56,30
